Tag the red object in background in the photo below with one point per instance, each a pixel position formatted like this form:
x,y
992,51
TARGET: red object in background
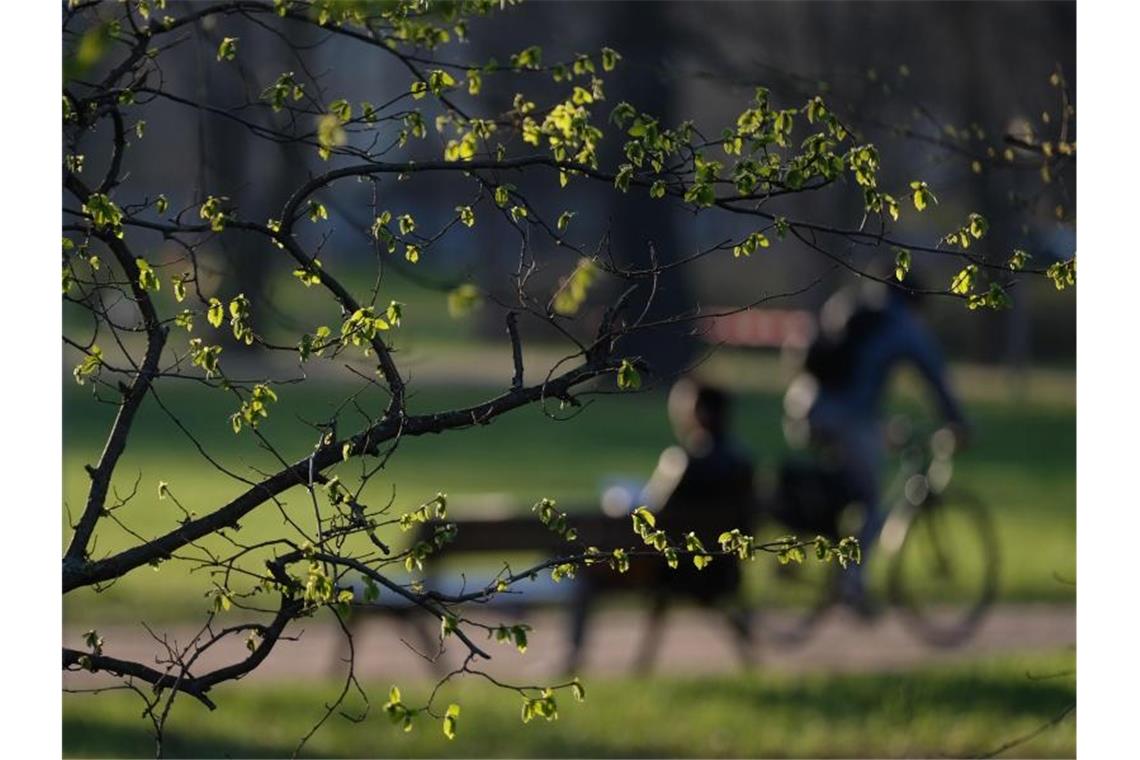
x,y
761,328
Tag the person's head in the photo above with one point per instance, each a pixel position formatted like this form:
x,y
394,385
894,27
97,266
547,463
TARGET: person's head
x,y
698,410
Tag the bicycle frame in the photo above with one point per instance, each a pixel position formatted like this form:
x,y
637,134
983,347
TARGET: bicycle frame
x,y
923,473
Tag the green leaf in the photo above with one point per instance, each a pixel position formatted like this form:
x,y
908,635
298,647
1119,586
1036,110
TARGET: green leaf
x,y
530,58
449,720
564,219
628,378
575,288
212,210
105,215
578,690
902,263
309,275
750,244
215,313
963,282
610,58
204,356
642,514
93,641
437,81
503,195
623,177
89,366
227,50
922,196
693,544
978,225
341,109
330,134
185,320
892,206
466,215
279,93
317,211
1017,259
781,227
1063,273
239,319
995,298
148,278
518,632
463,300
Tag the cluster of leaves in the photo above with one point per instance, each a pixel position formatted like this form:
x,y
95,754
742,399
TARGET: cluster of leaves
x,y
255,408
443,533
363,325
515,635
554,519
975,228
1063,273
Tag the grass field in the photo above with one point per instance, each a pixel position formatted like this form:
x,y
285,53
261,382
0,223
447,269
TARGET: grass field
x,y
1022,462
964,710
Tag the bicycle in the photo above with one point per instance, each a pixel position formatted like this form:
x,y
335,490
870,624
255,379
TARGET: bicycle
x,y
939,543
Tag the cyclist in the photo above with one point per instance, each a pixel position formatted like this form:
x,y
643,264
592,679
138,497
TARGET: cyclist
x,y
834,404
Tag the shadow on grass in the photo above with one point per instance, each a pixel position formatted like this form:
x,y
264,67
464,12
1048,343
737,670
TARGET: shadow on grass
x,y
86,737
949,692
937,712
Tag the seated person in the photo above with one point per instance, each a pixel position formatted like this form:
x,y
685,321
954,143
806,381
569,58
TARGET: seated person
x,y
703,485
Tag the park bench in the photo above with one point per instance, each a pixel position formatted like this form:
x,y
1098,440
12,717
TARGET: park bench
x,y
497,531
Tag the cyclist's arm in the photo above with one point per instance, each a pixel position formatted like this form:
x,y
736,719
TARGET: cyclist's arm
x,y
924,352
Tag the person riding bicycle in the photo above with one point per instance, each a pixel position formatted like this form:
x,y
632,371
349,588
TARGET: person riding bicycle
x,y
834,404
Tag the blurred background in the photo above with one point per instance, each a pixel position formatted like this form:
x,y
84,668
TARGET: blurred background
x,y
938,87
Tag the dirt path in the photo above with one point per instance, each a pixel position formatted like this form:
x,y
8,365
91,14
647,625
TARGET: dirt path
x,y
692,643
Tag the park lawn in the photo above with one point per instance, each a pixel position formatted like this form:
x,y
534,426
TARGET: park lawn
x,y
1023,463
956,710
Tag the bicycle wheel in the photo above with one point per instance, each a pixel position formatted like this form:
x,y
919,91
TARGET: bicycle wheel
x,y
943,576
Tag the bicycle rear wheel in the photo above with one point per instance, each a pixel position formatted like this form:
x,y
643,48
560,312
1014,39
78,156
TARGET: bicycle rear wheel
x,y
943,576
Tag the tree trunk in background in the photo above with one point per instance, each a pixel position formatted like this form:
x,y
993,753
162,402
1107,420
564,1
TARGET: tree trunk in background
x,y
253,173
644,34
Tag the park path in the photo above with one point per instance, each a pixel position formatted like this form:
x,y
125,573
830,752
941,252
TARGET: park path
x,y
692,643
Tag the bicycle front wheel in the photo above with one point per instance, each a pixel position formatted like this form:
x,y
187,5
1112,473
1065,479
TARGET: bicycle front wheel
x,y
943,576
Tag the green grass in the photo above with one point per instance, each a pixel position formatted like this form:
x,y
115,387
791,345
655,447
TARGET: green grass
x,y
946,711
1023,463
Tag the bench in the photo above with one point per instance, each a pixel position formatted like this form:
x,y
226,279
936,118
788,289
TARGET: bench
x,y
498,531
